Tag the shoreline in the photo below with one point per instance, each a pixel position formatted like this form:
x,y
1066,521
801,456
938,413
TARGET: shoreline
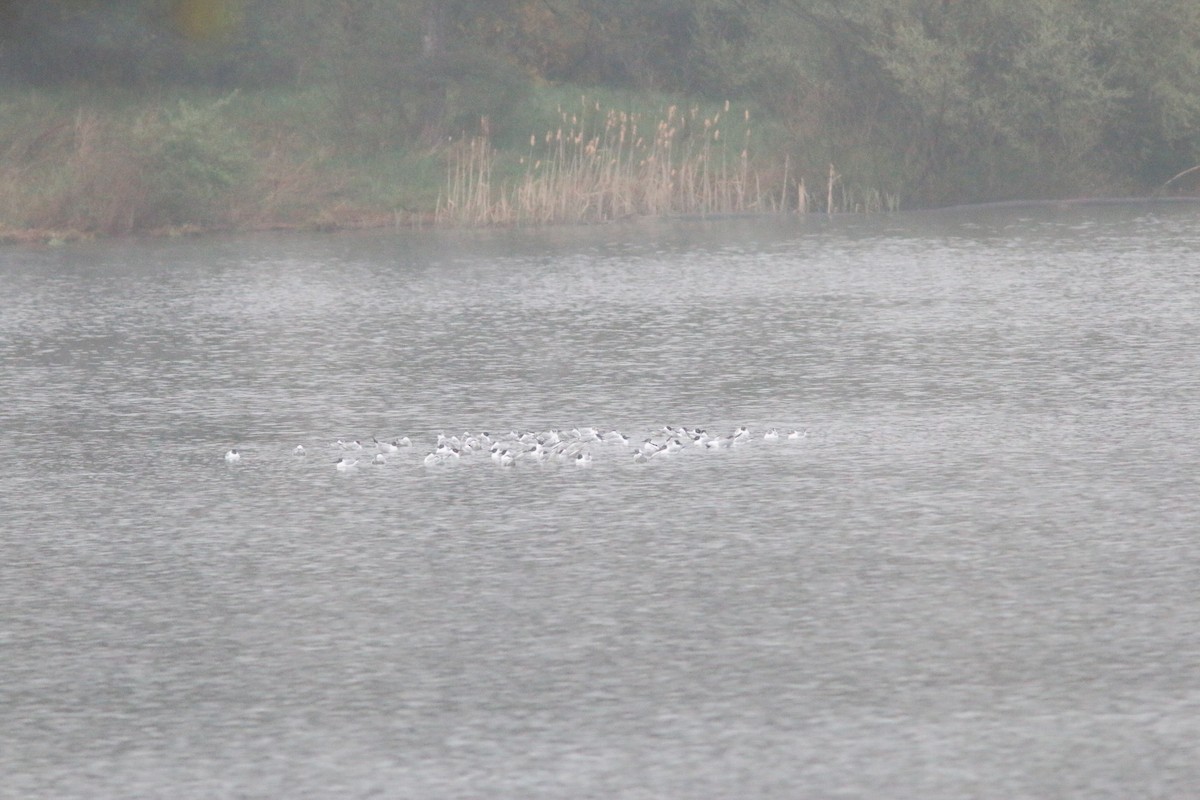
x,y
374,221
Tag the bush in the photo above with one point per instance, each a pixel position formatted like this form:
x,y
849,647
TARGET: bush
x,y
191,162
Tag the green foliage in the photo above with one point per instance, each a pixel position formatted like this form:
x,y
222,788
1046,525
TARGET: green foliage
x,y
935,101
994,99
1151,53
481,91
191,160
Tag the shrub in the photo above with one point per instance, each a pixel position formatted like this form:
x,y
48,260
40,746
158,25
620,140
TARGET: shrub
x,y
191,162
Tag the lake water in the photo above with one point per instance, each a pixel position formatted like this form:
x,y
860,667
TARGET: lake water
x,y
978,575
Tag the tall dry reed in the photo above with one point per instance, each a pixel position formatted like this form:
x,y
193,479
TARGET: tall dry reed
x,y
603,164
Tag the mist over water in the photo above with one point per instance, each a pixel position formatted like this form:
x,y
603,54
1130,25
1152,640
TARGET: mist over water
x,y
976,575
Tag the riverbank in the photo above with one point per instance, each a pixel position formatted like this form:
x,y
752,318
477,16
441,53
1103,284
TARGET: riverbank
x,y
76,164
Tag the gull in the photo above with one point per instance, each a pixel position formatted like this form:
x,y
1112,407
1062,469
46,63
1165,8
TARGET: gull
x,y
587,434
616,437
233,456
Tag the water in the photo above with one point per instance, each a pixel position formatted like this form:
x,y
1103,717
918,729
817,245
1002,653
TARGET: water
x,y
976,577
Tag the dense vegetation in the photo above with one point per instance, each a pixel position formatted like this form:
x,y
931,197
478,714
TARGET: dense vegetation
x,y
135,114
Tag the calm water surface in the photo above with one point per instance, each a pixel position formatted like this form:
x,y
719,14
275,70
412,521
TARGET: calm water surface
x,y
976,577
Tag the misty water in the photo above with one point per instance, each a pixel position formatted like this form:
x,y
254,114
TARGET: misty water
x,y
978,575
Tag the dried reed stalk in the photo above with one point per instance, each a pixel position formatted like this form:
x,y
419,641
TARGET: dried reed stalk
x,y
600,165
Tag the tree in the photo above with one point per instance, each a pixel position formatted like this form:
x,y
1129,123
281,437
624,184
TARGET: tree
x,y
988,99
1150,54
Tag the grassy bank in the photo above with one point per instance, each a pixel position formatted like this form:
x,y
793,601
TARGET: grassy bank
x,y
81,164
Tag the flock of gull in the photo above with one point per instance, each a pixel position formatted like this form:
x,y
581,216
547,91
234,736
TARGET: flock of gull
x,y
575,446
